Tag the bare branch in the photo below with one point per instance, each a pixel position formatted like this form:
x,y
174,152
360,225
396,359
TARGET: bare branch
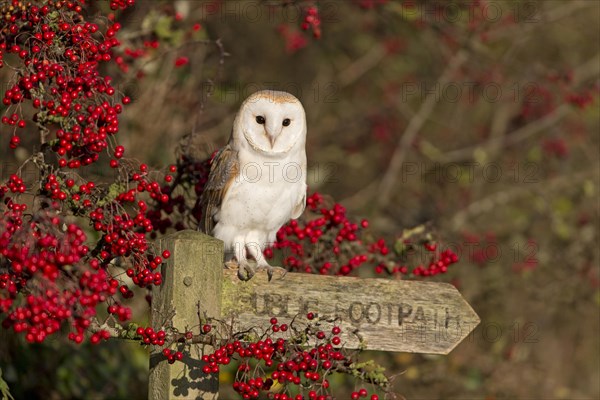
x,y
586,71
361,66
552,15
503,197
414,126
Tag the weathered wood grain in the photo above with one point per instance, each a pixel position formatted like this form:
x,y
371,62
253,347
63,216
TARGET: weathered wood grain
x,y
375,314
192,280
388,315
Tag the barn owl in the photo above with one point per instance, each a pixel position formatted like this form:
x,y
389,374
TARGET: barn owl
x,y
257,182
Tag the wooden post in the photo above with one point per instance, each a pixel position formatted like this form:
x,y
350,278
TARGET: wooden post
x,y
374,314
192,282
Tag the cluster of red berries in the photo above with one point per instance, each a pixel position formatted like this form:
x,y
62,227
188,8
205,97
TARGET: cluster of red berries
x,y
329,243
291,365
66,88
326,244
183,191
14,120
480,248
151,337
140,49
172,356
52,188
438,261
556,147
125,235
362,393
15,185
581,100
294,39
128,55
312,21
122,313
121,4
438,264
36,256
46,259
539,99
96,337
181,61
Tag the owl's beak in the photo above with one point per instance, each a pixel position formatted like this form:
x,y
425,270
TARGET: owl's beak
x,y
271,138
272,131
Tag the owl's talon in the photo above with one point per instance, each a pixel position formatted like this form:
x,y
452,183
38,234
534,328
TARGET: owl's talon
x,y
272,270
245,272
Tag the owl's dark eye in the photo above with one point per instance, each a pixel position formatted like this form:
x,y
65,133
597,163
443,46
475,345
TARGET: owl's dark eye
x,y
260,119
286,122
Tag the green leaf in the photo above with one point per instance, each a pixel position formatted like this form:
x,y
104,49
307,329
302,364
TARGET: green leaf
x,y
113,192
129,332
4,389
163,28
400,247
563,205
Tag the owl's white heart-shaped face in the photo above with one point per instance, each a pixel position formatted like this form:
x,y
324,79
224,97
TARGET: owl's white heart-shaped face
x,y
271,122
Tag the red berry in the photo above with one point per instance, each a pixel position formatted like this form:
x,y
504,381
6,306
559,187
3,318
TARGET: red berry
x,y
180,61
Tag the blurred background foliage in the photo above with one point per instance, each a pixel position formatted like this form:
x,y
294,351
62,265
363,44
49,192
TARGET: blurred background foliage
x,y
480,116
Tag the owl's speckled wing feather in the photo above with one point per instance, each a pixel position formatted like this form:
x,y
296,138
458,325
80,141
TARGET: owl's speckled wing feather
x,y
299,208
224,168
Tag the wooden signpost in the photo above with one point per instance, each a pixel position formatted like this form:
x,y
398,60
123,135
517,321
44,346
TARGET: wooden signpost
x,y
374,314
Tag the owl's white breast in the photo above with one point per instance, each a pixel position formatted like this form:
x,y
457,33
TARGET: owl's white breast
x,y
262,197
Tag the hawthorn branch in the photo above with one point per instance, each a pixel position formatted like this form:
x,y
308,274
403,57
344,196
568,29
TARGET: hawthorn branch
x,y
386,185
361,66
530,22
115,331
119,332
590,69
539,125
503,197
368,372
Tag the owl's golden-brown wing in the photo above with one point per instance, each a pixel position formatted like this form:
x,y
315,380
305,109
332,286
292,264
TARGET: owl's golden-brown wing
x,y
224,168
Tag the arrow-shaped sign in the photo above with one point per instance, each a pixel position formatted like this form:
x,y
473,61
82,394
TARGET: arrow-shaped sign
x,y
374,314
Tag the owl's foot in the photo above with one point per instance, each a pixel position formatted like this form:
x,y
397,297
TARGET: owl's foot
x,y
280,272
246,271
